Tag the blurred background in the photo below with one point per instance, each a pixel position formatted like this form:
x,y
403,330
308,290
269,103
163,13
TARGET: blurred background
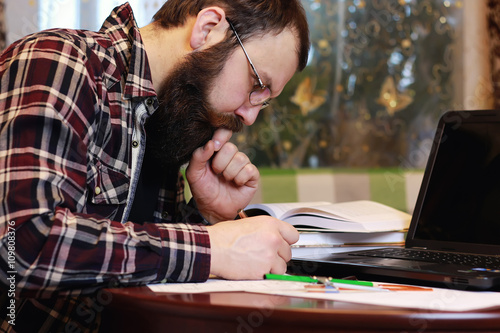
x,y
380,74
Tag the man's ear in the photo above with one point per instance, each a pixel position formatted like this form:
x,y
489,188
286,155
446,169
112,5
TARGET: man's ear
x,y
209,28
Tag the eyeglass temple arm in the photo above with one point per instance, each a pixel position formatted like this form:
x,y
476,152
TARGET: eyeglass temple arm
x,y
246,54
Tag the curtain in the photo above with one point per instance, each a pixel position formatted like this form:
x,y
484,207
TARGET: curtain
x,y
3,33
494,30
476,70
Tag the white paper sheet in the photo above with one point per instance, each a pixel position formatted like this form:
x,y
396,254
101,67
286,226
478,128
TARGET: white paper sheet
x,y
216,285
437,299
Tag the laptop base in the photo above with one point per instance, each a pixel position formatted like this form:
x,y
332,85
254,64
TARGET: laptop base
x,y
373,269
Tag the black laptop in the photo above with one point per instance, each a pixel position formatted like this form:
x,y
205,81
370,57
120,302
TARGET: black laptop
x,y
454,236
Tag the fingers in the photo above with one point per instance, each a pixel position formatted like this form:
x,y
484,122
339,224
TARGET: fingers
x,y
289,233
279,268
220,137
229,161
250,248
227,154
234,165
203,154
290,236
287,236
283,256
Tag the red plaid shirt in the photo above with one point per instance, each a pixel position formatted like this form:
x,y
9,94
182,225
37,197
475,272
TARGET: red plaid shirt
x,y
70,105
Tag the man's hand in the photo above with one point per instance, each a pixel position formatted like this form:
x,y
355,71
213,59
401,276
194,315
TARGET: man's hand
x,y
222,179
251,247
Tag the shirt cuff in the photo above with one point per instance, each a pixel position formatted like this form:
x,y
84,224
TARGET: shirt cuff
x,y
186,253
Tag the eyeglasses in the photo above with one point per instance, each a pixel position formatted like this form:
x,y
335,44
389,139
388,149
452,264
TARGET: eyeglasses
x,y
260,94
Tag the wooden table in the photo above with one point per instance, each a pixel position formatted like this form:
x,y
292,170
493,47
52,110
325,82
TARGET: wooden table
x,y
139,309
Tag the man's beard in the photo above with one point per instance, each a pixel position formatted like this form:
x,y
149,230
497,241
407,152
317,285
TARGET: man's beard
x,y
185,120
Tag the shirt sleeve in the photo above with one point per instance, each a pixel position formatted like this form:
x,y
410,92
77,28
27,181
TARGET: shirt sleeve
x,y
49,104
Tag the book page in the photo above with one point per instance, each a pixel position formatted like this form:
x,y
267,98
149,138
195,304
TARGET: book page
x,y
278,210
360,215
358,211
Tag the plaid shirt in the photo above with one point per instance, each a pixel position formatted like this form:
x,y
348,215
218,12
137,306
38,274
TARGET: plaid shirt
x,y
72,109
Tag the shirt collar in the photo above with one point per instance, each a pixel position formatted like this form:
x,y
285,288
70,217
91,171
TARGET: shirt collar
x,y
123,31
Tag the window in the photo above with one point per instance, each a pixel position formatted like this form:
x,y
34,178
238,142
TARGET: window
x,y
89,14
381,73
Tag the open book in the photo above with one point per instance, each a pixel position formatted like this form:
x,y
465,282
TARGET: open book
x,y
353,216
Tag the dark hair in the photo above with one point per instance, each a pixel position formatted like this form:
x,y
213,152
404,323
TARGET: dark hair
x,y
249,17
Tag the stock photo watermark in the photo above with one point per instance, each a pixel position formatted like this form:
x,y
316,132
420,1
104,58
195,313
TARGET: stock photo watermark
x,y
90,308
257,318
11,273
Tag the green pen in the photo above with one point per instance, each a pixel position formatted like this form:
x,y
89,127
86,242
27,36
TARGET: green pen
x,y
295,278
298,278
353,282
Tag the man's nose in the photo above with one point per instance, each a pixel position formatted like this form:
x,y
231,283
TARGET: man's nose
x,y
248,114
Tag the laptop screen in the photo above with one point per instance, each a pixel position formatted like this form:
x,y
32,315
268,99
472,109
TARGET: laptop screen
x,y
460,199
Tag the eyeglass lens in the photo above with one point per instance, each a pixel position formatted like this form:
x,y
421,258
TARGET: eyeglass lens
x,y
260,95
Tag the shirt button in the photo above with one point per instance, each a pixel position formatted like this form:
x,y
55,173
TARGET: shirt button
x,y
97,190
113,283
135,144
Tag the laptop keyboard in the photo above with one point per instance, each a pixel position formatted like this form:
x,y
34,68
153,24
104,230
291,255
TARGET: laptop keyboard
x,y
472,260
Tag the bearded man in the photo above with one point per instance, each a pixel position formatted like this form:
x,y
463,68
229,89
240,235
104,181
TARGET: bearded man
x,y
94,128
